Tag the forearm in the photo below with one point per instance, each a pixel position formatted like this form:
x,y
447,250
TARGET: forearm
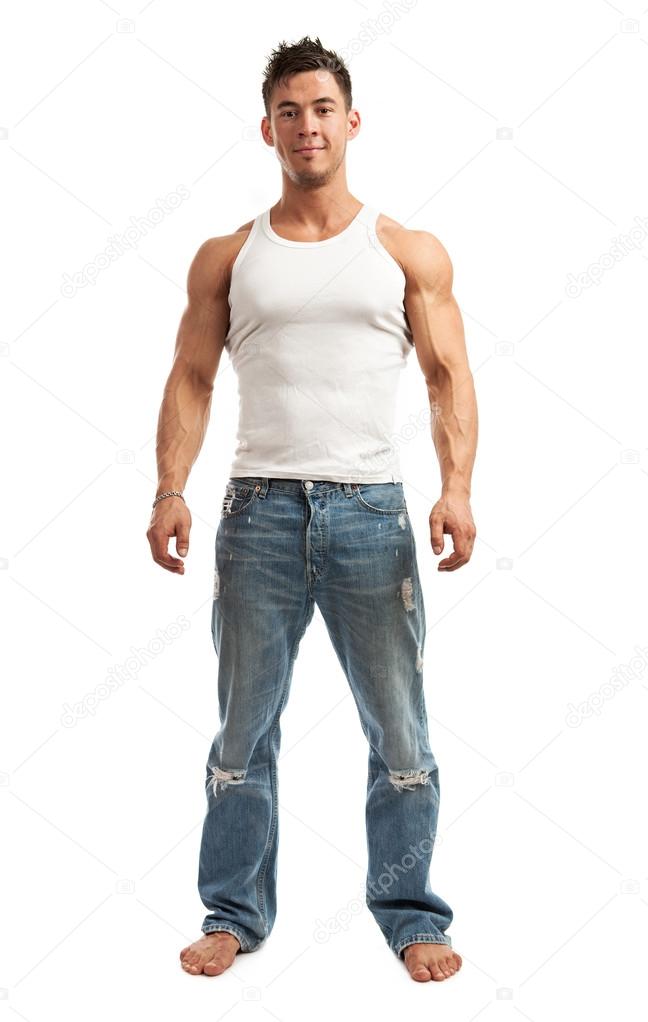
x,y
182,424
454,428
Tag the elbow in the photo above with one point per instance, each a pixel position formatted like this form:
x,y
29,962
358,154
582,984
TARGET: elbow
x,y
447,377
437,379
203,385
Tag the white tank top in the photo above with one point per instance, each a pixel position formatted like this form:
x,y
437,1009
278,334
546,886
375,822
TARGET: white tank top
x,y
317,337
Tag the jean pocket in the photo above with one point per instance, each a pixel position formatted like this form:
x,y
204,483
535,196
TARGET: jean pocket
x,y
381,498
239,495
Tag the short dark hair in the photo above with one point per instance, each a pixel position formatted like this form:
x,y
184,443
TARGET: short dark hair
x,y
306,55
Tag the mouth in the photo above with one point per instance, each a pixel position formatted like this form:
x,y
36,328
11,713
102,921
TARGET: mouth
x,y
310,149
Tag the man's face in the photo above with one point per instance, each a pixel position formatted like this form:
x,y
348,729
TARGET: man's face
x,y
309,127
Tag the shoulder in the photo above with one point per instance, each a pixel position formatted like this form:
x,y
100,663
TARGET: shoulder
x,y
211,266
219,250
422,257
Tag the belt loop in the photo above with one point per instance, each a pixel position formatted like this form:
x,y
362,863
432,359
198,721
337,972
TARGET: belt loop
x,y
263,486
348,489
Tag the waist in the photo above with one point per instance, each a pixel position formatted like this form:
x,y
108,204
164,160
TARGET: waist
x,y
300,486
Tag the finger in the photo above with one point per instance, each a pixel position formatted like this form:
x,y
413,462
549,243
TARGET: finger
x,y
159,548
171,564
460,555
182,540
460,542
461,552
437,532
451,563
464,545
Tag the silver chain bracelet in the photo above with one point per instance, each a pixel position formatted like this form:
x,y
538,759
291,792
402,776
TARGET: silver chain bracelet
x,y
169,493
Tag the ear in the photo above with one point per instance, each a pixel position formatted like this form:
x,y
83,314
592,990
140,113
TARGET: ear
x,y
266,131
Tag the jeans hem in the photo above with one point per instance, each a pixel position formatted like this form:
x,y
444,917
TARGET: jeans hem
x,y
234,930
421,938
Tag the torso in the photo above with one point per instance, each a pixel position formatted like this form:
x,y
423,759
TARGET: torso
x,y
317,340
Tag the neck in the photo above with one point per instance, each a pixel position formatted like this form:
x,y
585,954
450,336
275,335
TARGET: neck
x,y
318,209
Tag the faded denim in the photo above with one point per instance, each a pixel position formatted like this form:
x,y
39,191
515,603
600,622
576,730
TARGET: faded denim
x,y
283,545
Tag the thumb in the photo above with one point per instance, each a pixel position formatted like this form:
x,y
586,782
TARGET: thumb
x,y
182,540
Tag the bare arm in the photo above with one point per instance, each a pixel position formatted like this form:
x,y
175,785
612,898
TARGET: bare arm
x,y
186,402
437,330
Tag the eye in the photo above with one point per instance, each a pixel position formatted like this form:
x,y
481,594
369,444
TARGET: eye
x,y
326,109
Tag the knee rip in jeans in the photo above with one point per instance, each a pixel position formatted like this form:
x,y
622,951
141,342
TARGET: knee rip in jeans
x,y
407,593
225,777
406,779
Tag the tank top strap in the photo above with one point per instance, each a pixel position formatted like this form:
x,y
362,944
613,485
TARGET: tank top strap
x,y
368,216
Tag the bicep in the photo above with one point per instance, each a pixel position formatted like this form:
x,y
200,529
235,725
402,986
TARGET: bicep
x,y
205,320
432,311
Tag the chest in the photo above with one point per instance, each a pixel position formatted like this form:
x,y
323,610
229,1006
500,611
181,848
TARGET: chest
x,y
338,285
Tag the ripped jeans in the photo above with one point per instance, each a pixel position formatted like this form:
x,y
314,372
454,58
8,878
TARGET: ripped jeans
x,y
283,545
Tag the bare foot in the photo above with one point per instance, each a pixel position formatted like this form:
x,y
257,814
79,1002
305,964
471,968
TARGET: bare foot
x,y
212,954
431,961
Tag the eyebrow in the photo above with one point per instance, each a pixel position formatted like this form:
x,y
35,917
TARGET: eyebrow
x,y
322,99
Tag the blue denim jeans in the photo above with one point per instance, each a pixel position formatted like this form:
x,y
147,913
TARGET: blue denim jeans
x,y
283,545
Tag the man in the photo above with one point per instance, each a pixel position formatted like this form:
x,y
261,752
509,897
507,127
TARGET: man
x,y
318,301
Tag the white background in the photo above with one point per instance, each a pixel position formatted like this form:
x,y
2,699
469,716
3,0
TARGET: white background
x,y
514,132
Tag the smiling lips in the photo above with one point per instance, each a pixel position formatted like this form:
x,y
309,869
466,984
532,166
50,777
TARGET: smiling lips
x,y
310,149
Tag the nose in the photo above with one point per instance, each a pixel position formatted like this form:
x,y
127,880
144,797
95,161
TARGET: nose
x,y
306,132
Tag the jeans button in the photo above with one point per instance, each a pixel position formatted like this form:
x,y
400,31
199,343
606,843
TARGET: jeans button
x,y
308,484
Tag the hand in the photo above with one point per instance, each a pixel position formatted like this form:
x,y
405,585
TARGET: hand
x,y
170,517
452,515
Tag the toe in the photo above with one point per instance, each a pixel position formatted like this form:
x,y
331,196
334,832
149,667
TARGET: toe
x,y
420,972
190,961
215,966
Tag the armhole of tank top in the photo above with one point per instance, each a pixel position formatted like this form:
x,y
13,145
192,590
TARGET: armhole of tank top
x,y
378,245
380,248
242,252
